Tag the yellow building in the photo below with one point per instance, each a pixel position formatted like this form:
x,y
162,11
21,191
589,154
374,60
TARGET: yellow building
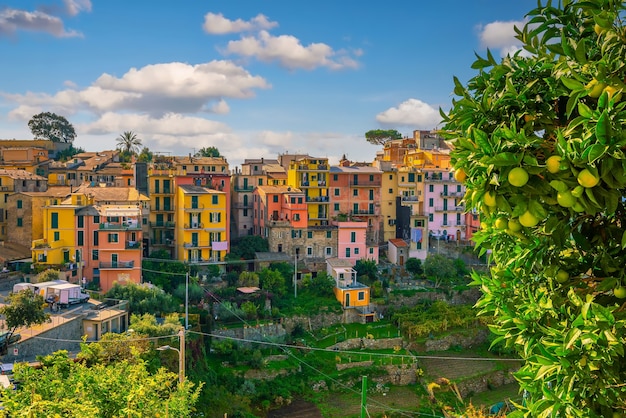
x,y
311,174
162,190
58,244
201,224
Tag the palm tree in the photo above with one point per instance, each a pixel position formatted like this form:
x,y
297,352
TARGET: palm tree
x,y
129,143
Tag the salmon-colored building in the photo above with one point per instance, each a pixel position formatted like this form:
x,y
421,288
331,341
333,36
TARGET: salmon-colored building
x,y
351,242
278,206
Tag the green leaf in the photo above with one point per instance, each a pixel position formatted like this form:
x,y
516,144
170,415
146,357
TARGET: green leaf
x,y
573,335
594,152
603,128
584,110
572,84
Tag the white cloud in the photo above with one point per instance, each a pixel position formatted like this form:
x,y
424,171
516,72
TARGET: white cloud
x,y
170,124
155,89
413,113
74,7
217,24
500,35
14,20
290,53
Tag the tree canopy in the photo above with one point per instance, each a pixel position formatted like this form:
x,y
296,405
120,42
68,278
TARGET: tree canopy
x,y
53,127
381,137
128,142
539,140
63,387
208,152
22,309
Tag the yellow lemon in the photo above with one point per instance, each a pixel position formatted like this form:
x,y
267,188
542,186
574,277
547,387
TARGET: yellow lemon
x,y
490,199
460,175
553,164
501,223
620,292
587,179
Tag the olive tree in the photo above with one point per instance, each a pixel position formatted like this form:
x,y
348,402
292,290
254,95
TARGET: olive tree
x,y
539,140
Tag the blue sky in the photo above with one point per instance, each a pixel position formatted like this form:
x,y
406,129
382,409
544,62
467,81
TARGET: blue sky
x,y
254,78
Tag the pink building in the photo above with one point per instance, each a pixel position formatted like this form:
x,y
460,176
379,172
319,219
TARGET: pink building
x,y
352,244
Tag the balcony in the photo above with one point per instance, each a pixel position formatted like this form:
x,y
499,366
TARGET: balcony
x,y
363,212
321,199
319,167
117,265
450,209
161,224
194,208
439,179
319,216
165,190
124,226
193,244
244,188
366,183
410,199
6,188
41,243
194,225
452,194
133,245
169,242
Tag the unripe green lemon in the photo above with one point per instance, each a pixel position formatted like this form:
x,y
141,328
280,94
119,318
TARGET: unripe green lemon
x,y
514,225
501,223
565,199
562,276
528,220
518,177
620,292
490,199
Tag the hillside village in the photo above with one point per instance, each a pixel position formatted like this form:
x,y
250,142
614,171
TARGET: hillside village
x,y
97,218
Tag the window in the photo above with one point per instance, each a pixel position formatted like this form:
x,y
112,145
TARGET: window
x,y
418,223
431,188
81,221
214,199
371,250
336,206
419,178
96,219
355,208
54,220
260,182
94,254
336,191
296,217
352,236
431,218
81,238
95,238
361,296
309,234
114,238
329,234
275,198
299,200
371,177
245,212
328,251
156,186
309,251
390,190
411,177
20,222
390,176
347,252
19,204
57,235
356,251
431,202
335,177
355,192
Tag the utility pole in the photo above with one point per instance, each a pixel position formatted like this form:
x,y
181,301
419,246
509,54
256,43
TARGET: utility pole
x,y
187,301
181,357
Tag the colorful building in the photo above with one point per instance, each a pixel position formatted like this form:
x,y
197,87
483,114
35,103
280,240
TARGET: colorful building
x,y
201,232
352,243
310,174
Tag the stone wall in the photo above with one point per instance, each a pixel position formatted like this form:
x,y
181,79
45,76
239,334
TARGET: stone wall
x,y
262,332
472,337
485,382
370,344
61,337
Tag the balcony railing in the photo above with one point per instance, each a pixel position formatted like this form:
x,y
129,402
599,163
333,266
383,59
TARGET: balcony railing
x,y
239,205
194,207
195,225
244,188
167,241
120,226
162,224
450,209
413,199
41,243
133,245
366,183
363,212
317,199
117,265
6,188
452,194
